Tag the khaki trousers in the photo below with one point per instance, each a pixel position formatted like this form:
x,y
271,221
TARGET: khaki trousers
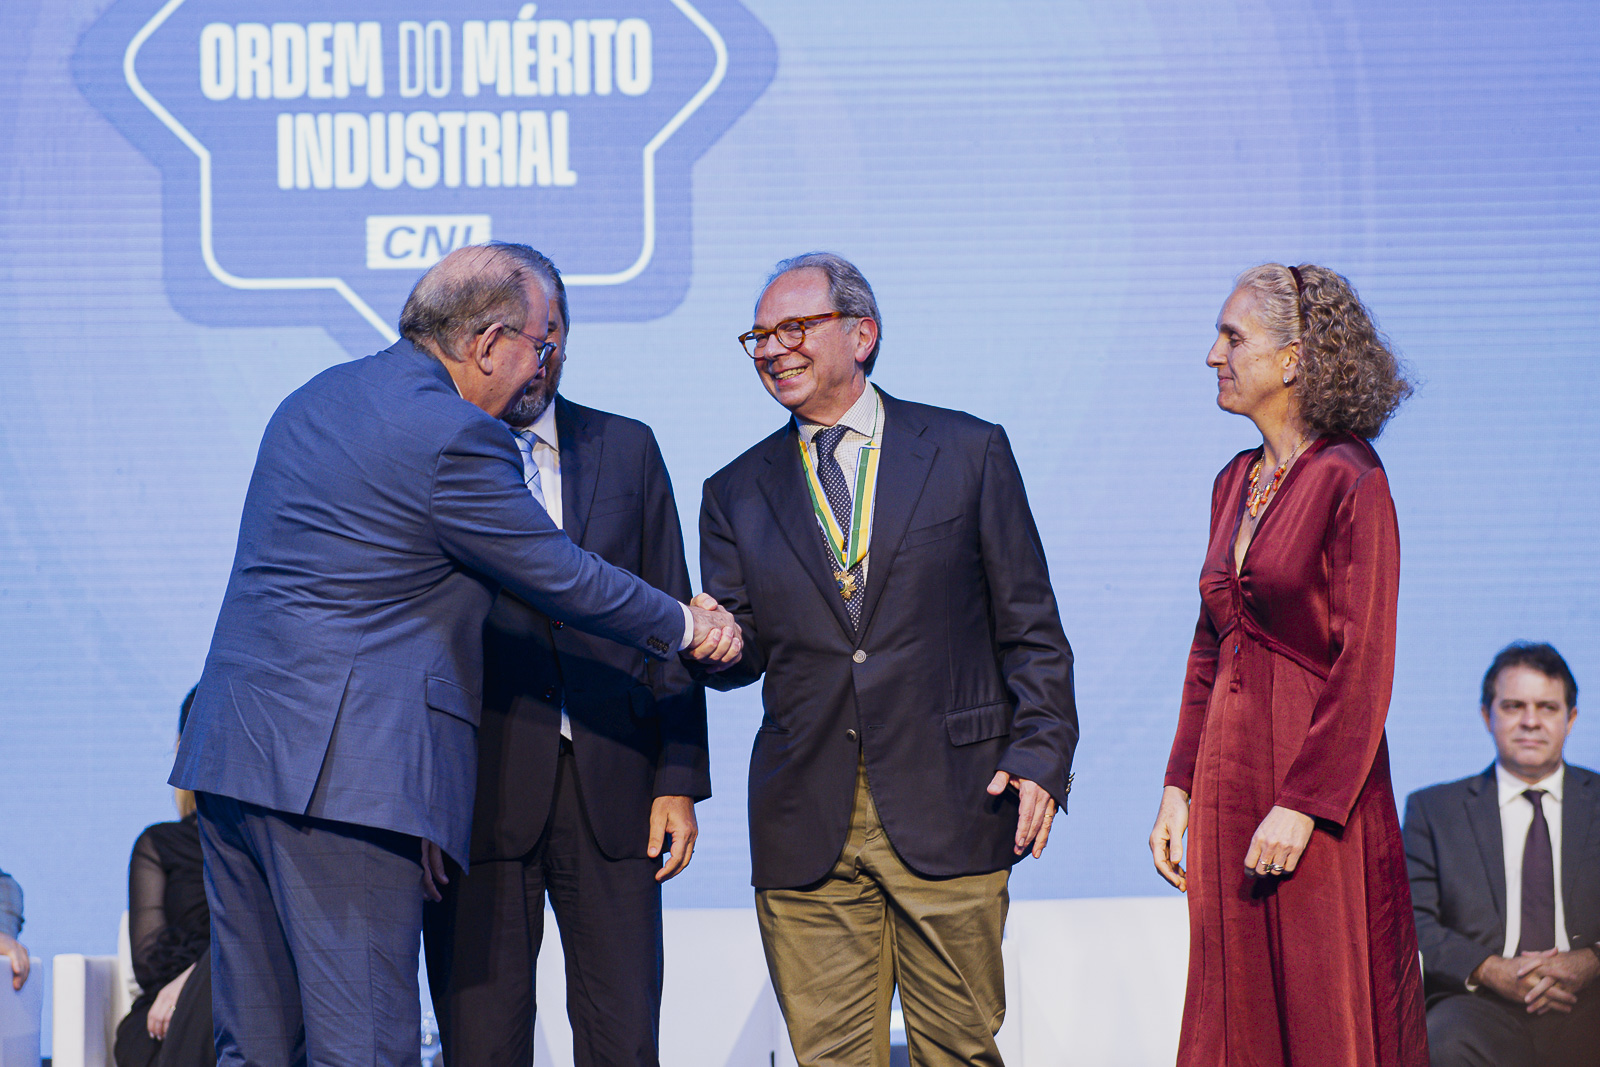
x,y
837,949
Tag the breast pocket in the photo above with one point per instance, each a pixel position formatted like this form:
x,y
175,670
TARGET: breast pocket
x,y
937,531
614,505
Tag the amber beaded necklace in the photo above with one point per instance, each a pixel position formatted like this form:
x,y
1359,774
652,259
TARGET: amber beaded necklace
x,y
1259,497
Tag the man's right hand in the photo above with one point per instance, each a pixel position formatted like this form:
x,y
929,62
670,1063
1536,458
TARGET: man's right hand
x,y
433,872
718,641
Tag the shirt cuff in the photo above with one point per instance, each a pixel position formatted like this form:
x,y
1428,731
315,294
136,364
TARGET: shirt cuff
x,y
688,627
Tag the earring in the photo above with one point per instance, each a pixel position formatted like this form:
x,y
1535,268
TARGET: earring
x,y
1287,379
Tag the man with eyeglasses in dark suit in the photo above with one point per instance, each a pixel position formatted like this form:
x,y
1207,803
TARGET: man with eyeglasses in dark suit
x,y
882,561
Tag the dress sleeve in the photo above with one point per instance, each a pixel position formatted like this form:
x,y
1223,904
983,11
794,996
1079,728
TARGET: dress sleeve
x,y
169,926
147,917
1201,673
1347,721
1192,712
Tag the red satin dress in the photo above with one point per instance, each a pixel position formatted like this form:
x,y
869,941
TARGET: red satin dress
x,y
1287,690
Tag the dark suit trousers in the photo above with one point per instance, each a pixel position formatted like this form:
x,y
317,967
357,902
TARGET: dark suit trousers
x,y
314,938
1482,1030
483,941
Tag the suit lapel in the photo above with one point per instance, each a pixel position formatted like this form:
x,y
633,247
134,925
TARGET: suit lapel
x,y
783,485
902,472
1579,806
580,468
1483,815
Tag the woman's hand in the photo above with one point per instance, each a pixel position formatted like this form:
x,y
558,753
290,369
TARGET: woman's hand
x,y
1280,839
1166,840
160,1016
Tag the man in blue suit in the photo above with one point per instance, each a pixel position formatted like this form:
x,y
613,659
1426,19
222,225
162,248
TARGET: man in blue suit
x,y
920,722
332,742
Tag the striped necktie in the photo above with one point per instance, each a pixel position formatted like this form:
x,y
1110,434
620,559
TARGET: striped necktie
x,y
530,469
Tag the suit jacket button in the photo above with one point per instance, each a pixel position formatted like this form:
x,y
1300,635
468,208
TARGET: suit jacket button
x,y
557,624
859,656
851,736
550,694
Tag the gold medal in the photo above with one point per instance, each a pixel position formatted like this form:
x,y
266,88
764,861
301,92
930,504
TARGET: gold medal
x,y
847,584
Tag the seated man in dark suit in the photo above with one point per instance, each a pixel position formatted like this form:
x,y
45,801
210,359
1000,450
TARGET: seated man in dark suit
x,y
1505,883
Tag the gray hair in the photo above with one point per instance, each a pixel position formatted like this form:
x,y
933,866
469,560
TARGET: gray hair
x,y
473,288
848,290
1349,379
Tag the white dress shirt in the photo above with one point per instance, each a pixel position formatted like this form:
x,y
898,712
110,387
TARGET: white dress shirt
x,y
1516,816
863,424
547,455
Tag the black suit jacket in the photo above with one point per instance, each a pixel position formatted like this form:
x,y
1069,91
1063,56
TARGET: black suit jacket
x,y
960,666
1458,872
638,726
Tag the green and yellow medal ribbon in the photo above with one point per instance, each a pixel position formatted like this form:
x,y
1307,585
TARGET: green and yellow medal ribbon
x,y
849,547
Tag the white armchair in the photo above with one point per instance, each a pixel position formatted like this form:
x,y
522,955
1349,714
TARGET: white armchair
x,y
19,1017
92,994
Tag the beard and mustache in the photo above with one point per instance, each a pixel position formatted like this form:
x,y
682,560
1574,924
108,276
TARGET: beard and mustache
x,y
531,404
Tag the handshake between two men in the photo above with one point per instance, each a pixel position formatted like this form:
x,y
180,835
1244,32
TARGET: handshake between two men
x,y
717,642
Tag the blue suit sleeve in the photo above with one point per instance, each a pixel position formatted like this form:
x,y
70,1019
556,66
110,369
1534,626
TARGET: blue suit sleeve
x,y
485,518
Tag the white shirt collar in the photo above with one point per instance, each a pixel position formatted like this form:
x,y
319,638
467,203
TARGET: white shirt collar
x,y
544,427
1512,787
862,416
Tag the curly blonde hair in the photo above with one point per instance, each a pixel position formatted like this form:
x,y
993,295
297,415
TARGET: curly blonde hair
x,y
1348,380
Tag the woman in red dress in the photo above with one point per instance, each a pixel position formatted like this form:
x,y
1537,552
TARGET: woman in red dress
x,y
1302,951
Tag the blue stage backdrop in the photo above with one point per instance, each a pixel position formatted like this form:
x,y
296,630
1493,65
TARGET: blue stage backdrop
x,y
207,202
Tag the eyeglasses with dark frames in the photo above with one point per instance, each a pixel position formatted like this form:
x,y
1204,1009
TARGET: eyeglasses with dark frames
x,y
791,333
546,348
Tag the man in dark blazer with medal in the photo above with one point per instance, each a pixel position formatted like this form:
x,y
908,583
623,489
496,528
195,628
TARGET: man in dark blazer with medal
x,y
590,760
1505,882
883,564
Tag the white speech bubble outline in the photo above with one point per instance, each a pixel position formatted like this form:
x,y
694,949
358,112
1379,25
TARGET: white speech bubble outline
x,y
338,285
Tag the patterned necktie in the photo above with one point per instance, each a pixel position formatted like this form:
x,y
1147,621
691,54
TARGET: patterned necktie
x,y
837,490
1538,882
530,469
